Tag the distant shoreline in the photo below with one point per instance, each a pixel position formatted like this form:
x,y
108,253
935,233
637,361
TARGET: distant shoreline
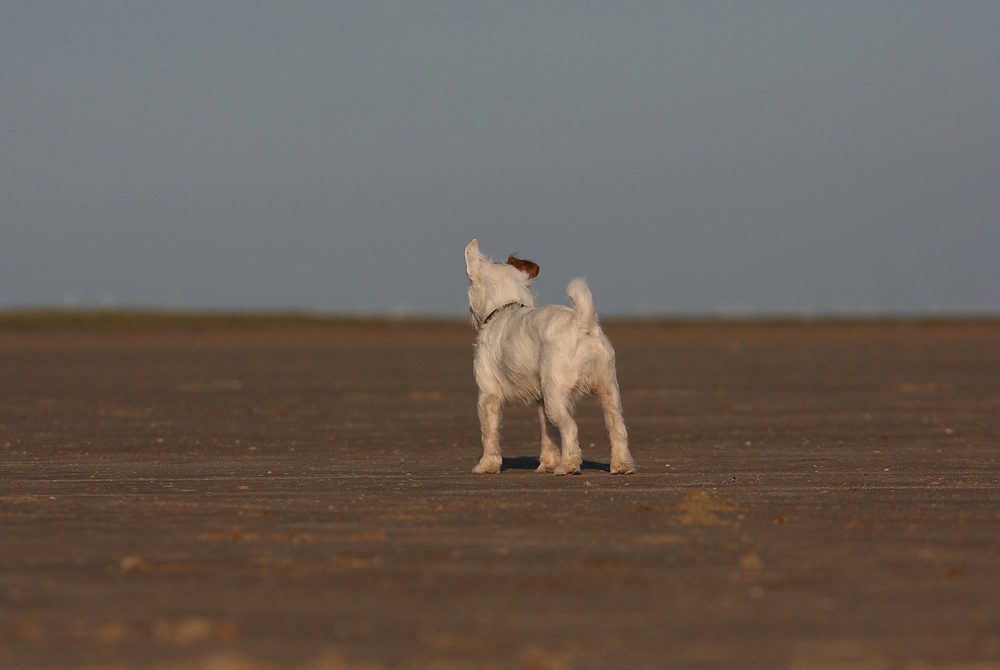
x,y
45,319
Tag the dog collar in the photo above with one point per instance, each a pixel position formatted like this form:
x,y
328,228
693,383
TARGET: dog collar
x,y
497,311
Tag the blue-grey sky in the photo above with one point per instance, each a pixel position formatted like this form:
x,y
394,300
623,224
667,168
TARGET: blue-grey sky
x,y
686,157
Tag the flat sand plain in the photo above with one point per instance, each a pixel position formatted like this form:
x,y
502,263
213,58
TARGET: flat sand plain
x,y
291,493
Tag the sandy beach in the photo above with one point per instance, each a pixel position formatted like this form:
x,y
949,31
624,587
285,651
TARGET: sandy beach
x,y
285,492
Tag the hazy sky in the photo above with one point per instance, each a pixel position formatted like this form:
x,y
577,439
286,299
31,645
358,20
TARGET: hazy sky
x,y
686,157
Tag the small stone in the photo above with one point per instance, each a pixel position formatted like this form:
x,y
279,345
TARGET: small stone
x,y
133,564
751,562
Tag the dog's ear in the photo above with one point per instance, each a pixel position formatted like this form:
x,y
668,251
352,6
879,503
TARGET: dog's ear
x,y
527,267
473,259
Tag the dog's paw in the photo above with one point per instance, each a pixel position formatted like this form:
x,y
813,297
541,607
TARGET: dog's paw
x,y
568,469
487,467
626,468
547,466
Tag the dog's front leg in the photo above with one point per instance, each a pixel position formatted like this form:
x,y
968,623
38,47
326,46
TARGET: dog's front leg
x,y
489,422
559,409
549,458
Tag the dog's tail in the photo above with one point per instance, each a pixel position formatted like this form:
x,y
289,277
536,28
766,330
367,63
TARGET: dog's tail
x,y
583,304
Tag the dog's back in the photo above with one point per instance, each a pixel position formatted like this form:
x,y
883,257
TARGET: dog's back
x,y
521,352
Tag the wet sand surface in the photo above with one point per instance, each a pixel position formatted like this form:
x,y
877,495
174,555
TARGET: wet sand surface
x,y
294,493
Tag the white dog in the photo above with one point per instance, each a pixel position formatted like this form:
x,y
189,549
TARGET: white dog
x,y
549,355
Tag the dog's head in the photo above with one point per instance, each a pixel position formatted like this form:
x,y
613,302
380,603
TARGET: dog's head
x,y
493,285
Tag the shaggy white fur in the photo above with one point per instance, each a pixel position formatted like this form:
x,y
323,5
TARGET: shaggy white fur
x,y
549,355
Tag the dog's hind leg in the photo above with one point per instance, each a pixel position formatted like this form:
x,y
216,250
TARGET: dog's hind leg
x,y
559,409
549,458
489,422
610,398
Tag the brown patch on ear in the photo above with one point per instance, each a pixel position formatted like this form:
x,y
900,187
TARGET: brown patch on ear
x,y
527,267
